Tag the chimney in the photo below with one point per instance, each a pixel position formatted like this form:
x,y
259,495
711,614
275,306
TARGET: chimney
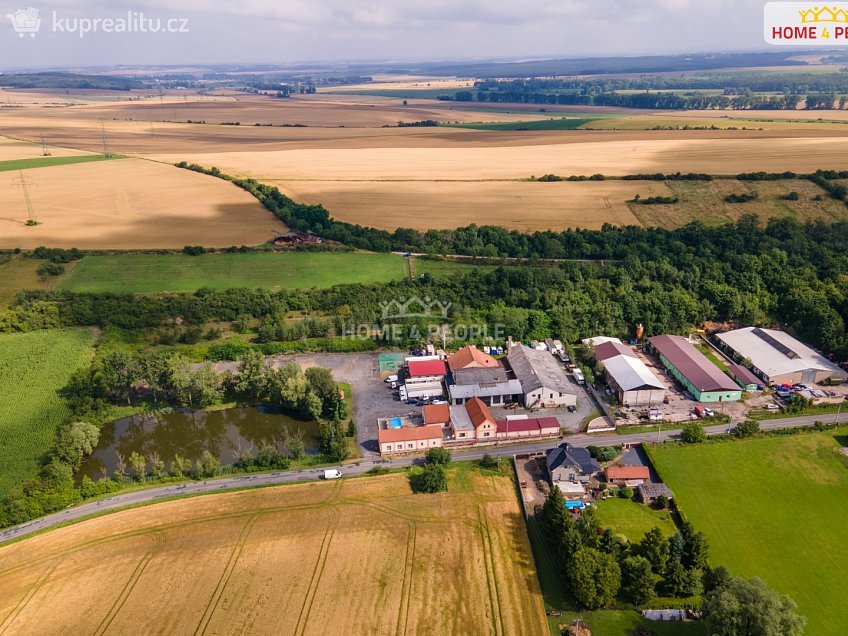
x,y
640,331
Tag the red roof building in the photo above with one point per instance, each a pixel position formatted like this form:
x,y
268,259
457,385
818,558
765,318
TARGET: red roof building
x,y
427,368
626,474
437,414
471,357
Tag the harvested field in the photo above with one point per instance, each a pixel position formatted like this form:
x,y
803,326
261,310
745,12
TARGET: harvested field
x,y
359,556
704,201
13,149
518,205
606,152
131,204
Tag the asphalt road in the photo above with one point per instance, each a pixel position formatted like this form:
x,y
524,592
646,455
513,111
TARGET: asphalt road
x,y
286,477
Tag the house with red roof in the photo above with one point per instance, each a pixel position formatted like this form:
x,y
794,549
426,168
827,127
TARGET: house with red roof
x,y
471,357
627,475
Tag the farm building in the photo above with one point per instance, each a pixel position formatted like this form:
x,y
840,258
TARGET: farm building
x,y
778,358
543,381
528,427
633,382
568,464
746,379
425,378
694,371
397,435
471,357
611,349
594,342
627,475
472,421
491,384
650,492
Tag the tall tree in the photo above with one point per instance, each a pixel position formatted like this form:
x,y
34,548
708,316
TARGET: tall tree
x,y
749,608
594,578
654,547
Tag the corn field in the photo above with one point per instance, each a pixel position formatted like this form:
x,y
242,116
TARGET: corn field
x,y
33,367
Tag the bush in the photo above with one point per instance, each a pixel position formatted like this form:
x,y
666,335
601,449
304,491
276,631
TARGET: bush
x,y
51,269
430,479
748,428
379,470
662,502
439,456
693,433
625,492
603,453
745,197
488,461
792,196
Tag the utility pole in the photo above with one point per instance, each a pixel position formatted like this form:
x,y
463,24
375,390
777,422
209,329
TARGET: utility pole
x,y
105,140
44,151
24,183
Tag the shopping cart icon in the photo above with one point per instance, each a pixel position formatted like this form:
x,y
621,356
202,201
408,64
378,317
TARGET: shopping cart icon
x,y
25,21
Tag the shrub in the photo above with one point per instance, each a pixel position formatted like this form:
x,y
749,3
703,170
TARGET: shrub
x,y
488,461
744,197
440,456
603,453
792,196
430,479
693,433
662,502
748,428
625,492
51,269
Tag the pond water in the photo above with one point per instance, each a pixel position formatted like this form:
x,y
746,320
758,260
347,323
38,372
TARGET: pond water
x,y
225,434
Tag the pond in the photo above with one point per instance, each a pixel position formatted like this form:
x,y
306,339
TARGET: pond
x,y
225,434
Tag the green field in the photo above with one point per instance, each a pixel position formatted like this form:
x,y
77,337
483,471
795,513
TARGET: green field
x,y
152,273
33,367
540,124
44,162
632,519
776,508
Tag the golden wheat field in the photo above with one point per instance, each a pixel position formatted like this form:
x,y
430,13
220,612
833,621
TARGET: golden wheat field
x,y
363,556
521,205
129,203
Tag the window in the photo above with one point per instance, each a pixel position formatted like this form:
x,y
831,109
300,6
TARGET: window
x,y
411,446
462,434
486,434
400,446
552,396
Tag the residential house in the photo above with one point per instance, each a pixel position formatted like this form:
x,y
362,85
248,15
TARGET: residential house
x,y
472,422
627,475
491,384
470,357
568,464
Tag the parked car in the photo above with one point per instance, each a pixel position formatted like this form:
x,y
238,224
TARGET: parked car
x,y
709,412
394,385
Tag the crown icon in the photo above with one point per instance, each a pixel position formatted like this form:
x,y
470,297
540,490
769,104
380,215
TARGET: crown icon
x,y
415,307
823,14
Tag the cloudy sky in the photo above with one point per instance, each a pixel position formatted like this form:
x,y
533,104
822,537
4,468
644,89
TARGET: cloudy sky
x,y
283,31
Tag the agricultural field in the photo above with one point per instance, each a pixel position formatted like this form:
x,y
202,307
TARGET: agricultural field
x,y
46,162
775,508
152,273
355,556
14,149
33,367
18,273
130,204
704,201
520,205
632,519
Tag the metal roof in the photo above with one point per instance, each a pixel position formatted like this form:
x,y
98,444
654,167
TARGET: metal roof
x,y
776,352
610,349
421,368
631,373
574,456
480,375
465,391
537,369
694,365
744,375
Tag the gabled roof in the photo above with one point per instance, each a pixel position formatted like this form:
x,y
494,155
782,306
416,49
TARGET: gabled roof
x,y
694,365
776,352
631,374
744,375
578,458
420,368
537,369
408,434
436,413
469,357
628,472
478,412
480,375
465,391
611,349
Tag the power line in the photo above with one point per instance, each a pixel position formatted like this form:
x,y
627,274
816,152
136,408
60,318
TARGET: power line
x,y
106,152
24,184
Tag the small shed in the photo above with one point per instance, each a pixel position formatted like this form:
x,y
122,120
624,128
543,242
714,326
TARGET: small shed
x,y
746,379
650,492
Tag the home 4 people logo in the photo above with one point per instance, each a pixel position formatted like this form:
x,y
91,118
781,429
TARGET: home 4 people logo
x,y
415,307
25,21
794,23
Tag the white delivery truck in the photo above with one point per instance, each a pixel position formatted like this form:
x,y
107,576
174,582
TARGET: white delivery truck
x,y
332,474
579,377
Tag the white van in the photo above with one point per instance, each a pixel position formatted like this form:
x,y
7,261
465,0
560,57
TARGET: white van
x,y
332,474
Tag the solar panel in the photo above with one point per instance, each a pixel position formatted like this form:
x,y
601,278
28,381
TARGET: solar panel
x,y
775,343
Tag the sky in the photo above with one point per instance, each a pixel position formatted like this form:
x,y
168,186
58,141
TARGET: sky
x,y
289,31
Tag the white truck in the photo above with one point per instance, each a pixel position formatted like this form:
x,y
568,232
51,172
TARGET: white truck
x,y
579,377
332,474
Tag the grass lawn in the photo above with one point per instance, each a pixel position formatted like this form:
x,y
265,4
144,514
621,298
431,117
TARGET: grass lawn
x,y
448,268
44,162
625,623
773,507
17,273
632,519
33,367
152,273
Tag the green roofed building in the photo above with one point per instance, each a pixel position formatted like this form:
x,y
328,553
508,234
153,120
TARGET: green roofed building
x,y
704,380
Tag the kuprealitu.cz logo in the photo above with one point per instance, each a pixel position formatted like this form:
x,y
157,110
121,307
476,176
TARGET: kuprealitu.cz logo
x,y
27,22
806,23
